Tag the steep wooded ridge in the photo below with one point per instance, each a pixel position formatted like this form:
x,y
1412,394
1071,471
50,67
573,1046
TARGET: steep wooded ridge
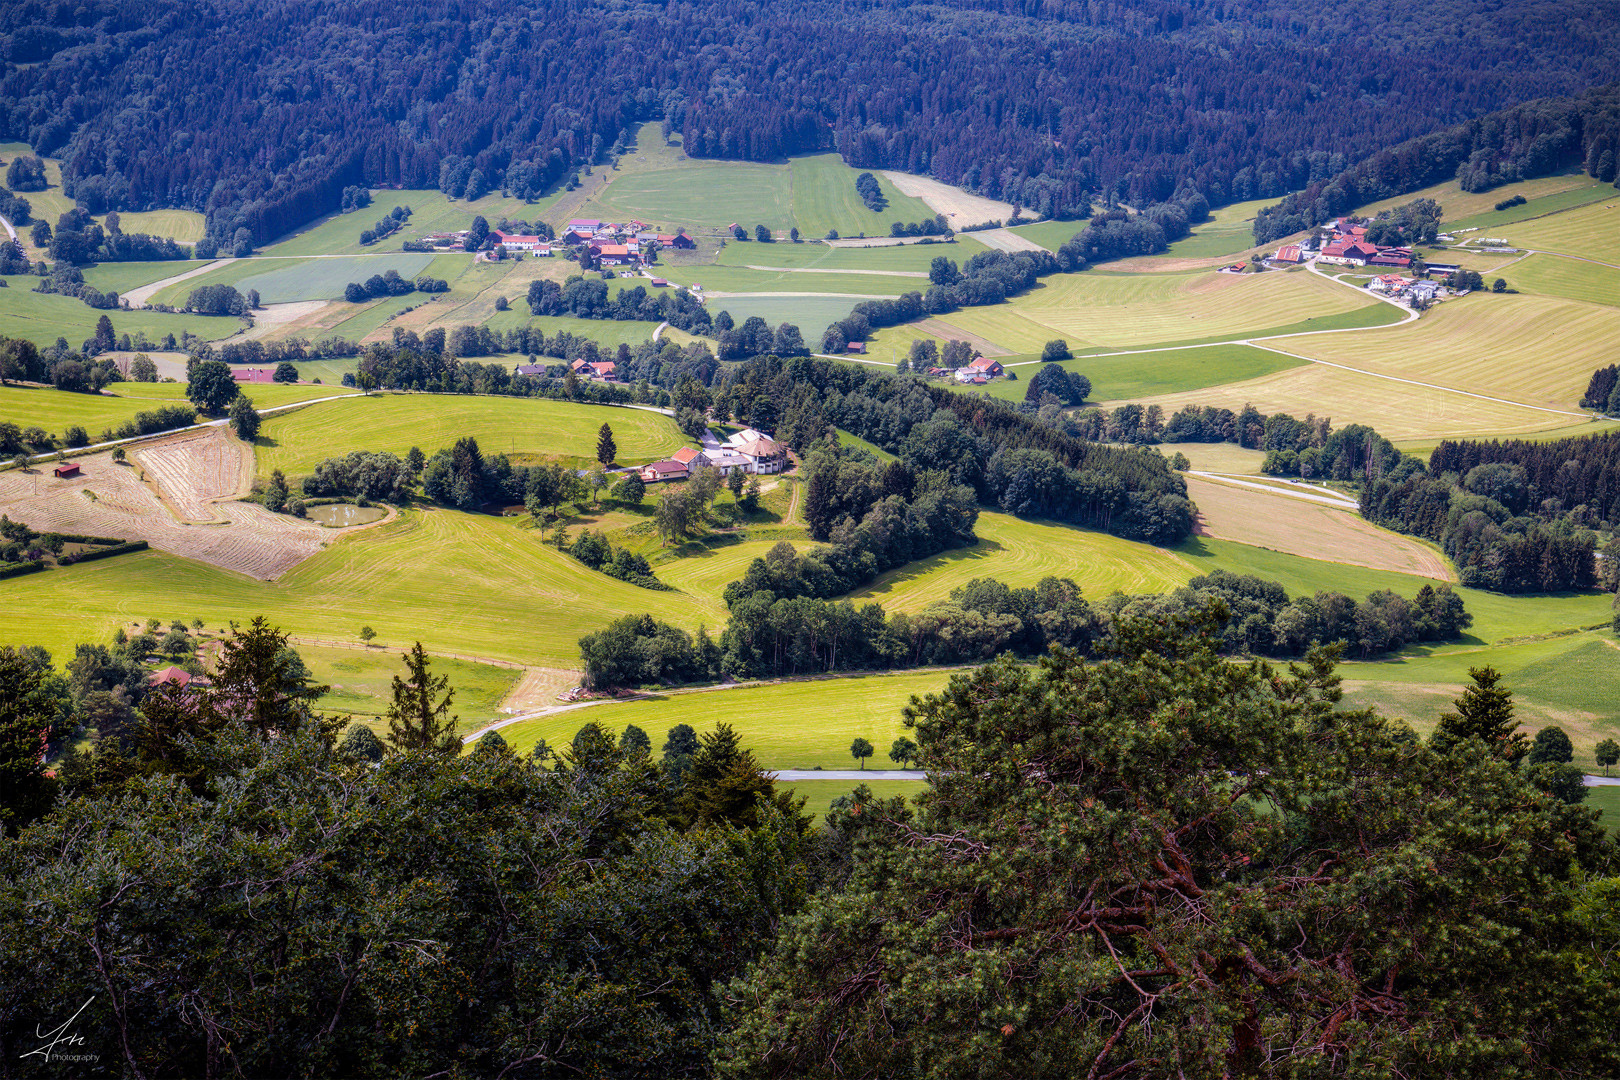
x,y
1533,139
261,115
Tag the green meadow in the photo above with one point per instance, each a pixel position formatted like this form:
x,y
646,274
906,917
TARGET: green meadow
x,y
296,441
42,318
281,281
57,410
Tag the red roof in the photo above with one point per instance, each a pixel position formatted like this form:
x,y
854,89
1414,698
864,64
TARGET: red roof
x,y
254,374
68,469
514,238
178,676
685,455
984,363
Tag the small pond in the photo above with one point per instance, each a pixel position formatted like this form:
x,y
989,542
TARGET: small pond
x,y
339,515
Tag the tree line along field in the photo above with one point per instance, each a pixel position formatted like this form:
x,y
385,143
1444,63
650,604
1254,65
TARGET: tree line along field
x,y
297,441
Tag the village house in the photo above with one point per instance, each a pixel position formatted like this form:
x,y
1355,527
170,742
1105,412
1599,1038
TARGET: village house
x,y
727,461
516,241
613,254
686,455
1389,284
599,369
529,369
1401,257
856,347
1348,253
765,453
680,240
987,366
657,471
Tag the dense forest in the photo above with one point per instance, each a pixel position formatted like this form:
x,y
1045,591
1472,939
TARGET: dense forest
x,y
1514,516
1529,140
1045,104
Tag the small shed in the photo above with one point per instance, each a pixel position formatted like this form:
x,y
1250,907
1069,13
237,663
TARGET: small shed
x,y
68,469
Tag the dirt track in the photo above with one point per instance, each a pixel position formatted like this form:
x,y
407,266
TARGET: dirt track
x,y
193,474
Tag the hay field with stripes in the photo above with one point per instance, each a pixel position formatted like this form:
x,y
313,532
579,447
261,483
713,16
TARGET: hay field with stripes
x,y
1100,310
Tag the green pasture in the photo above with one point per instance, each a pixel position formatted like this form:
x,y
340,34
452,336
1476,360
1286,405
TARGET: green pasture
x,y
611,332
469,584
282,281
58,410
1051,235
1020,553
1137,375
47,205
905,258
818,795
790,725
431,211
698,195
824,198
42,318
1606,799
297,441
857,443
1552,275
1460,205
1229,231
1569,199
811,314
361,681
124,276
741,279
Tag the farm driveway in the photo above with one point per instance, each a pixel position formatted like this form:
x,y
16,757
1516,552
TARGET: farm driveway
x,y
138,297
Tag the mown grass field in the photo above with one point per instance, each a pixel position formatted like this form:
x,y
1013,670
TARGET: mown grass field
x,y
1551,203
1407,414
184,226
42,318
1536,350
1591,232
281,281
1460,205
1229,231
741,279
431,211
57,410
824,198
1020,553
793,725
1552,275
706,571
470,584
1105,311
297,441
122,277
811,314
1051,235
47,205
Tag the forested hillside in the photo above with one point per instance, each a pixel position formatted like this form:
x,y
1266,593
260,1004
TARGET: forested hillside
x,y
262,115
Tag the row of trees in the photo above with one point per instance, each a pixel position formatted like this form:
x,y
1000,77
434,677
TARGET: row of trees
x,y
1603,391
582,298
390,283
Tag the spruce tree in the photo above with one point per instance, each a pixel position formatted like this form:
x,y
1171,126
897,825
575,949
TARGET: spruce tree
x,y
606,450
1485,712
419,719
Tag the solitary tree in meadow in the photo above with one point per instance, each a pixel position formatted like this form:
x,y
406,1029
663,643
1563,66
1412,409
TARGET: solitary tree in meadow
x,y
860,750
903,751
606,448
1607,753
366,634
419,719
1551,745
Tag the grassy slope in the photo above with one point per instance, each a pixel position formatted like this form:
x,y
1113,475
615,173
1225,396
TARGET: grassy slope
x,y
361,681
56,410
1592,232
42,318
1020,553
1139,375
911,258
1104,311
431,211
281,281
1459,205
470,584
795,725
295,442
824,198
1551,275
1538,350
122,277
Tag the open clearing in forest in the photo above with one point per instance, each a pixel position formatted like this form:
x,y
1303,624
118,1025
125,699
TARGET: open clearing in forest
x,y
1104,311
959,207
57,410
1537,350
1020,553
295,442
110,500
1312,530
792,725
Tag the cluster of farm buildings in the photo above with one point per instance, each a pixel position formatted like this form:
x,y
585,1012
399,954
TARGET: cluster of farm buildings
x,y
1346,244
596,370
610,243
747,451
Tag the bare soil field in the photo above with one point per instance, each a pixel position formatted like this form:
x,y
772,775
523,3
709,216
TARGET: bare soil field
x,y
946,331
1311,530
958,206
538,688
109,499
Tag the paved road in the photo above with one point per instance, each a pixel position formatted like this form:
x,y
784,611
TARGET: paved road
x,y
1601,781
9,230
139,296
